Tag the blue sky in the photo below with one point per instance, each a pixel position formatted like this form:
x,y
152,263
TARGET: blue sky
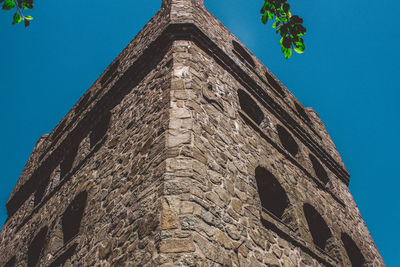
x,y
348,75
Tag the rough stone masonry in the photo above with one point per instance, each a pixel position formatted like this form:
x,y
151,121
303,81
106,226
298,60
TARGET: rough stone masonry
x,y
186,151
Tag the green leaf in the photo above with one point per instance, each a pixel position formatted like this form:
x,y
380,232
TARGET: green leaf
x,y
28,17
265,7
286,42
299,48
16,18
283,49
27,4
284,30
276,24
8,5
287,52
264,18
300,29
27,23
270,14
287,25
286,7
296,19
299,41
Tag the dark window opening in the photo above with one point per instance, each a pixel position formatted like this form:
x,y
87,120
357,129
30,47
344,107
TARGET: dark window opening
x,y
320,231
356,257
242,54
302,112
36,247
275,85
250,107
36,185
83,103
11,262
68,161
100,130
24,193
273,197
287,141
109,75
72,217
42,178
41,190
319,170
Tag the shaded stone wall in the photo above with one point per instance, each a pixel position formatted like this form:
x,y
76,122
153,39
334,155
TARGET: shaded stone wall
x,y
121,173
103,86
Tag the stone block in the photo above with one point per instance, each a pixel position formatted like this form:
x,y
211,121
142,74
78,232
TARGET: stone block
x,y
223,239
237,205
168,219
175,245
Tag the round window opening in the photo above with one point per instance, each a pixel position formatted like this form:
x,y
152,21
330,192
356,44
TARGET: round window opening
x,y
319,170
287,141
355,255
250,107
319,229
272,195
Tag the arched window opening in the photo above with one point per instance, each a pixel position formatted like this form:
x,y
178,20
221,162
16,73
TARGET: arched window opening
x,y
43,177
302,112
250,107
273,197
319,170
287,141
71,220
68,161
22,195
100,130
320,231
353,252
275,85
11,262
41,190
36,247
242,54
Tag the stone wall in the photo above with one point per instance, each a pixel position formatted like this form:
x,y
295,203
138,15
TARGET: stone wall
x,y
104,85
120,163
213,207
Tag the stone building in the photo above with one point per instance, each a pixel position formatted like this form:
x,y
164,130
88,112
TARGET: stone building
x,y
186,151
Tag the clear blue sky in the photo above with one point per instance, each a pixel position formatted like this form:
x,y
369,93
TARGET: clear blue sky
x,y
348,75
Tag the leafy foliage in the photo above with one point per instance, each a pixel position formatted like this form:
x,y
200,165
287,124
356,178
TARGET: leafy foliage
x,y
289,27
20,5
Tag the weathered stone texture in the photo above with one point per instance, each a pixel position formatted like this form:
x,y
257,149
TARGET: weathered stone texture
x,y
186,152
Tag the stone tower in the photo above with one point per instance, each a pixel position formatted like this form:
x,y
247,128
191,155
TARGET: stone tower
x,y
186,151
